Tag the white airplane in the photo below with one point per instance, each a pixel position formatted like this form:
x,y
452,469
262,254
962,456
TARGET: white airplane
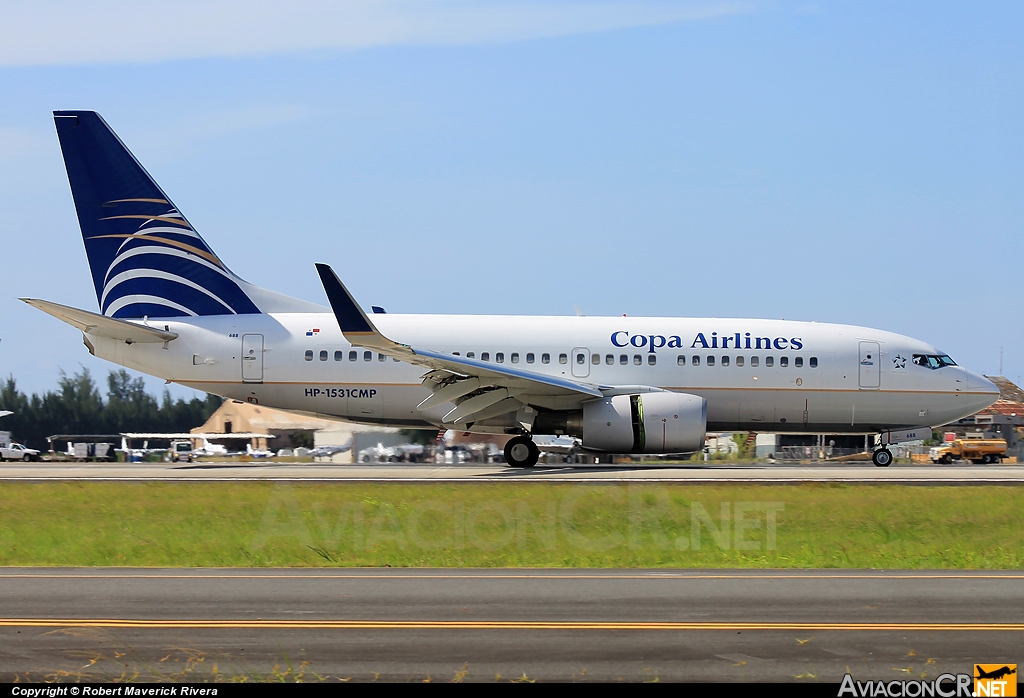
x,y
169,307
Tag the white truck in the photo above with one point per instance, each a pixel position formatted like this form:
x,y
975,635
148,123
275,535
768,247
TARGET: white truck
x,y
15,451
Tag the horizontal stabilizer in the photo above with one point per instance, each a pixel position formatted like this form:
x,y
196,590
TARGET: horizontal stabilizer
x,y
101,325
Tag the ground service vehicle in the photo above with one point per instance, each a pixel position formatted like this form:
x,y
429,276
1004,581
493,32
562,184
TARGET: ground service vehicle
x,y
181,451
15,451
974,450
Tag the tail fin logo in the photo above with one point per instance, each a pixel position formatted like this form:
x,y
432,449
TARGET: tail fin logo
x,y
145,257
160,266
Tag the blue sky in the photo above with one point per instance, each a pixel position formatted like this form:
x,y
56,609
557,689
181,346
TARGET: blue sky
x,y
855,162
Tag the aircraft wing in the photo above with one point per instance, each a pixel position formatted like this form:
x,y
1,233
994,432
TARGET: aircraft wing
x,y
101,325
489,389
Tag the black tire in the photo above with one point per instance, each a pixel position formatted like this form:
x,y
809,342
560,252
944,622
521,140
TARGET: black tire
x,y
882,458
521,452
27,458
946,459
997,460
986,459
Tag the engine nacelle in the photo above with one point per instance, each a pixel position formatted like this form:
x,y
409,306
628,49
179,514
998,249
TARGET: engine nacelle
x,y
662,422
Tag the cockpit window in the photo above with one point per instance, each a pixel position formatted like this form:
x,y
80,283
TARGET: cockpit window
x,y
933,361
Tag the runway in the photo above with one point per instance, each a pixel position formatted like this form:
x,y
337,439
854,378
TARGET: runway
x,y
467,473
486,625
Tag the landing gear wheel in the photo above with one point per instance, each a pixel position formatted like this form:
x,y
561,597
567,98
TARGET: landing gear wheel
x,y
521,452
882,458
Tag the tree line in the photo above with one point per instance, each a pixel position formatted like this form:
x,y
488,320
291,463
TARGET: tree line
x,y
78,407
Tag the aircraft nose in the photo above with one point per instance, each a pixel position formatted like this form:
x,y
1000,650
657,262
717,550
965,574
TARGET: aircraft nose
x,y
980,384
980,391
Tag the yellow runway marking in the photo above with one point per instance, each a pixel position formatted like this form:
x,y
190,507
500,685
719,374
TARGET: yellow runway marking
x,y
488,625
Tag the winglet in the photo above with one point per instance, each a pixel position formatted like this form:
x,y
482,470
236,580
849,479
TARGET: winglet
x,y
354,324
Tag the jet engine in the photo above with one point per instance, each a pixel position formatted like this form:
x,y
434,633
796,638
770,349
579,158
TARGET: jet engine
x,y
657,422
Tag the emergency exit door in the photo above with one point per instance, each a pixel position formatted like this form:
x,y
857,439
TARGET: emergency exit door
x,y
580,362
870,363
252,358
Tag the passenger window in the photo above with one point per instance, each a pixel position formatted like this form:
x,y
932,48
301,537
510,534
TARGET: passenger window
x,y
681,360
581,359
485,356
725,360
814,362
623,359
610,359
711,361
353,356
798,362
529,358
637,359
652,359
696,361
754,361
545,358
595,359
739,360
783,361
367,356
455,353
470,354
309,355
563,358
769,361
515,358
394,359
500,357
323,355
381,357
338,355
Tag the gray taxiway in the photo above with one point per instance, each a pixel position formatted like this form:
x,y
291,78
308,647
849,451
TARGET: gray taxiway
x,y
486,625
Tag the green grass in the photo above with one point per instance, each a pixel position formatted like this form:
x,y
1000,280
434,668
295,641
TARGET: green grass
x,y
510,525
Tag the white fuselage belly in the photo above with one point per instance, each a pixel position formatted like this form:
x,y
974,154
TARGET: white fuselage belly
x,y
845,392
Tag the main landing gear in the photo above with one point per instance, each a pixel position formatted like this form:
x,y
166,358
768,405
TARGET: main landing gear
x,y
882,458
521,452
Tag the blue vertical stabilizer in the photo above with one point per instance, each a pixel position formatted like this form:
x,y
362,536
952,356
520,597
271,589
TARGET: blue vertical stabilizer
x,y
146,258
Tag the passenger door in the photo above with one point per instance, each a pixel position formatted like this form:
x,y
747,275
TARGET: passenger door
x,y
869,375
252,358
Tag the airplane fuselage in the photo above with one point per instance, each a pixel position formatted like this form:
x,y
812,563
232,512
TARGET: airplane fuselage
x,y
756,375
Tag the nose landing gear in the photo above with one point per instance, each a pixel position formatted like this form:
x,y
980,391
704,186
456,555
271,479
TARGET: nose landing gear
x,y
521,452
882,458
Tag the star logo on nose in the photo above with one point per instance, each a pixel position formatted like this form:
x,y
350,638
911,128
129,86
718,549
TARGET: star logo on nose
x,y
899,362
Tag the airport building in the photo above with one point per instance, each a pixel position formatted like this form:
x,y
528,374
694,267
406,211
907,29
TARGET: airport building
x,y
234,416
